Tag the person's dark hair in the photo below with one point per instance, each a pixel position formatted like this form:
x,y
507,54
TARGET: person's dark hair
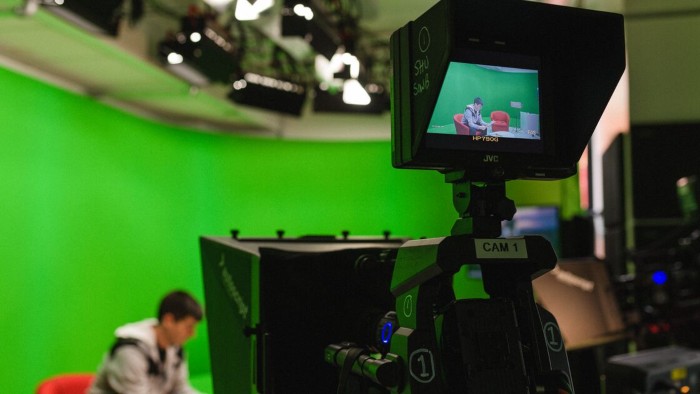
x,y
477,100
180,304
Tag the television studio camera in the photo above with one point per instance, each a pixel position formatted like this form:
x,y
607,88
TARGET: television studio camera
x,y
555,67
381,316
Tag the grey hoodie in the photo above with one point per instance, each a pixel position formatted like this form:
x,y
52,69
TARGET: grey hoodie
x,y
137,367
472,117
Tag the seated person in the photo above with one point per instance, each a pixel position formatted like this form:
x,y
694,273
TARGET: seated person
x,y
147,356
472,118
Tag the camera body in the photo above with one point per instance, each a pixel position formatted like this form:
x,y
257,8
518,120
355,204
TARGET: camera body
x,y
504,344
544,75
550,69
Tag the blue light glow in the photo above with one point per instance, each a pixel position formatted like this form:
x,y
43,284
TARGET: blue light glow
x,y
659,277
387,330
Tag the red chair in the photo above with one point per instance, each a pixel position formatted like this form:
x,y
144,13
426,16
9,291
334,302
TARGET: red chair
x,y
500,121
461,128
66,384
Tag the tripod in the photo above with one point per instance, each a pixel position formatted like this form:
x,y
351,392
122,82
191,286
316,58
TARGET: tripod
x,y
504,344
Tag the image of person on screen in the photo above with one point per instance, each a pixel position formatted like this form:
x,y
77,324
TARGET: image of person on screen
x,y
472,118
147,356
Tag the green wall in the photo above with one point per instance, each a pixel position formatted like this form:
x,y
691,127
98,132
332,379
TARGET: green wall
x,y
464,81
101,214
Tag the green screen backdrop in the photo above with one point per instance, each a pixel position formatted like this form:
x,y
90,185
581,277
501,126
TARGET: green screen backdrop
x,y
497,87
101,214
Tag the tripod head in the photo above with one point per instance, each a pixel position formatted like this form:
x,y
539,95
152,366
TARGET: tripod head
x,y
481,206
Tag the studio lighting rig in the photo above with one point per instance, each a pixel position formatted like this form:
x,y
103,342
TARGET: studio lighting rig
x,y
202,51
101,17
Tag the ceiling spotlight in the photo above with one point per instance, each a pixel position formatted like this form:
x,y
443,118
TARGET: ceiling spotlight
x,y
175,58
269,93
240,84
354,93
101,17
329,100
304,11
201,53
317,29
328,69
246,11
353,63
219,5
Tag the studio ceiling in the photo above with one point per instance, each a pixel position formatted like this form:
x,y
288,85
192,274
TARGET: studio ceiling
x,y
122,73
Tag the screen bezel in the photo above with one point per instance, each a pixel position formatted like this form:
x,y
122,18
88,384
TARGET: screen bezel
x,y
501,162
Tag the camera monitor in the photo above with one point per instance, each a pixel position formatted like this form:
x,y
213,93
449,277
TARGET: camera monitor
x,y
502,89
511,87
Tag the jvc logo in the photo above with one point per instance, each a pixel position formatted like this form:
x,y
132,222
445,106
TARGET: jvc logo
x,y
490,158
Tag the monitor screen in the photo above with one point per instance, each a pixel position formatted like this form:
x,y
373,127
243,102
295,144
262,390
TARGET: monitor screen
x,y
535,220
488,102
